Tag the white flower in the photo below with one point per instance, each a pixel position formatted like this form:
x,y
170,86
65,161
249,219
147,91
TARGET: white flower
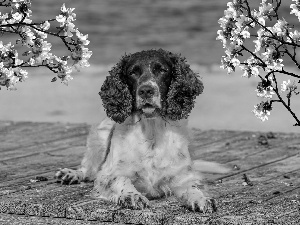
x,y
265,9
260,40
223,22
260,114
45,25
82,38
17,16
66,19
222,37
41,51
242,21
17,60
231,12
287,85
3,19
295,9
61,19
262,110
65,80
249,70
264,92
81,56
4,48
20,73
12,82
295,36
7,77
275,65
68,29
27,36
280,28
227,64
40,34
254,71
66,15
245,34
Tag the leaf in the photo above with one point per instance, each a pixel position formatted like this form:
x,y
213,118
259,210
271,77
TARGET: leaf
x,y
54,79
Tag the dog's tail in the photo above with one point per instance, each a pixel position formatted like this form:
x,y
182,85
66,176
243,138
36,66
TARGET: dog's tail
x,y
209,167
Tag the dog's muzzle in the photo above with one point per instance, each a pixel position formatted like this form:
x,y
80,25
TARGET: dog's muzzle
x,y
148,100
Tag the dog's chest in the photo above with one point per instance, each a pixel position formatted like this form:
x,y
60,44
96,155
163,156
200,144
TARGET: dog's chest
x,y
152,151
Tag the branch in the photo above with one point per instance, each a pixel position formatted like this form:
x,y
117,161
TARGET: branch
x,y
255,56
283,102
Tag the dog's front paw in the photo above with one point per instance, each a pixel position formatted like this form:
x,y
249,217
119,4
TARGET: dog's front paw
x,y
68,176
196,201
133,200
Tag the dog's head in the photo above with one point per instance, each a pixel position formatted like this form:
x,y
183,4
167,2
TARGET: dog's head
x,y
153,83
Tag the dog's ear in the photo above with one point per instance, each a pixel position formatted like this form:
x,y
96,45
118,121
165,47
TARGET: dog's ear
x,y
185,87
115,94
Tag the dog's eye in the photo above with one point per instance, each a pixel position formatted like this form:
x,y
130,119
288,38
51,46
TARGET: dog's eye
x,y
160,69
134,71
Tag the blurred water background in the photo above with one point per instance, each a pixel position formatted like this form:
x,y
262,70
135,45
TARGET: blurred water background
x,y
117,26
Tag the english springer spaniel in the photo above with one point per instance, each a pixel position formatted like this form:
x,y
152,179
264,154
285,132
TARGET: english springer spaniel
x,y
140,151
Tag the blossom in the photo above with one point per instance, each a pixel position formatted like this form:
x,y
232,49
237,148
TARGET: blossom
x,y
41,50
68,29
20,73
221,36
81,56
66,19
66,15
274,65
20,10
7,77
295,9
82,39
33,37
264,89
17,16
294,36
233,10
3,19
45,25
249,70
40,34
262,14
229,63
243,21
262,110
61,19
27,36
287,85
280,28
271,45
265,9
65,79
272,59
258,42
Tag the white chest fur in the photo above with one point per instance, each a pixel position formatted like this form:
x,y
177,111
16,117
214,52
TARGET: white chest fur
x,y
149,149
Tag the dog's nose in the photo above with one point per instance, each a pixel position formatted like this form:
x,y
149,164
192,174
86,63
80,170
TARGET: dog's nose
x,y
146,91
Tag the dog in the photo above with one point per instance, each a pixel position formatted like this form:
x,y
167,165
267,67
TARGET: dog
x,y
140,151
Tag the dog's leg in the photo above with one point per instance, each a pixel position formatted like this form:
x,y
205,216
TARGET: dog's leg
x,y
119,190
98,143
189,190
